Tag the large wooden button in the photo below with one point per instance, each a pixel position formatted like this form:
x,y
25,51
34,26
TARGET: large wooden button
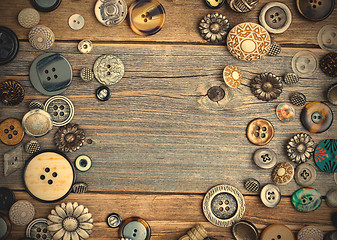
x,y
306,199
283,173
315,10
49,176
277,231
316,117
325,155
11,131
260,131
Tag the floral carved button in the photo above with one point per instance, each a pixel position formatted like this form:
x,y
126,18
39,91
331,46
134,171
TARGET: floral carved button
x,y
135,228
300,148
214,3
305,174
315,10
283,173
214,27
61,110
146,17
306,199
285,112
232,76
266,86
270,195
326,155
316,117
11,131
265,158
260,131
108,69
277,231
11,92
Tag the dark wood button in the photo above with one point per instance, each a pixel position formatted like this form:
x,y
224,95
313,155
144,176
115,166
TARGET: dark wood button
x,y
11,92
260,131
11,131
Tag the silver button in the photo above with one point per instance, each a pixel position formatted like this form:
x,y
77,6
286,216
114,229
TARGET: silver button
x,y
108,69
252,185
37,123
305,174
76,22
327,38
304,63
270,195
245,230
265,158
114,220
110,12
61,110
85,46
37,229
87,74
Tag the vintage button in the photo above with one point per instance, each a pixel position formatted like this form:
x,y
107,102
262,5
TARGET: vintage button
x,y
260,131
232,76
310,232
76,22
316,117
334,219
13,160
108,69
11,92
252,185
32,146
35,104
283,173
331,198
306,199
49,176
223,205
300,148
110,12
46,5
69,138
275,49
9,45
5,227
285,112
298,99
37,229
245,230
270,195
275,17
304,63
266,86
248,41
21,212
11,131
214,27
135,228
305,174
146,17
41,37
291,78
327,38
114,220
325,155
265,158
87,74
317,10
83,163
197,232
214,4
103,93
37,123
331,235
332,94
277,231
61,110
7,198
80,187
328,64
85,46
242,6
51,74
28,17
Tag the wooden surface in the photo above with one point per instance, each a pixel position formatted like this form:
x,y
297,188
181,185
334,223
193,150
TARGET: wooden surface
x,y
157,149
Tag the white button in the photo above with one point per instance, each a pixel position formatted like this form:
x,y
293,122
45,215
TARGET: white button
x,y
76,22
270,195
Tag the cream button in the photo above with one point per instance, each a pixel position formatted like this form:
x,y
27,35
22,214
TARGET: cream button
x,y
248,46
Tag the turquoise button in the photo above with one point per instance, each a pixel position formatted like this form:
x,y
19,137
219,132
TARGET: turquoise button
x,y
306,199
326,155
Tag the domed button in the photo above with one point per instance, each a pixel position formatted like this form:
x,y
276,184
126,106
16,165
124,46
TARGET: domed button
x,y
270,195
315,10
135,228
252,185
9,45
146,17
232,76
85,46
37,123
11,92
110,12
306,199
61,110
242,6
214,3
21,212
41,37
87,74
327,38
283,173
298,99
331,198
304,63
265,158
260,131
11,131
277,231
5,227
305,174
316,117
46,5
103,93
325,155
285,112
28,17
310,232
245,230
328,64
7,198
114,220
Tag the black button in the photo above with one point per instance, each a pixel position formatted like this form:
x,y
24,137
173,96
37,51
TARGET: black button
x,y
9,45
7,198
103,93
46,5
315,10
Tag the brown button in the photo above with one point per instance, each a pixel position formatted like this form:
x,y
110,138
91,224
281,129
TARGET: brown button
x,y
11,131
260,131
283,173
277,231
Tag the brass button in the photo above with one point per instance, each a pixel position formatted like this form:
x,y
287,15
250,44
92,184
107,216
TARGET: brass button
x,y
11,131
283,173
277,231
260,131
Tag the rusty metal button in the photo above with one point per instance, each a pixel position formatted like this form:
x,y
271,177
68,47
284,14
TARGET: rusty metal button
x,y
283,173
270,195
316,117
260,131
11,131
11,92
315,10
277,231
265,158
214,3
245,230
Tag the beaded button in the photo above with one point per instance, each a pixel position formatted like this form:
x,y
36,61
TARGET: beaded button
x,y
316,117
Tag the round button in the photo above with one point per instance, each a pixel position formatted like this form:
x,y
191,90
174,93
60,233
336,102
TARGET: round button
x,y
300,148
32,147
108,69
35,104
245,230
275,17
310,232
83,163
135,228
316,117
305,174
332,94
69,138
327,38
11,131
85,46
146,17
114,220
223,205
37,229
304,63
275,49
265,158
252,185
61,110
110,13
270,195
11,92
9,45
331,198
260,131
325,155
103,93
283,173
285,112
5,227
214,27
49,176
266,86
291,78
41,37
87,74
242,6
298,99
214,3
328,64
46,5
21,212
7,198
37,123
28,17
232,76
76,22
277,231
306,199
317,10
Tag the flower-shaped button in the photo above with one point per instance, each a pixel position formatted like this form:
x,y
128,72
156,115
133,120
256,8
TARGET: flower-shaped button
x,y
306,199
326,154
266,86
260,131
300,148
11,131
214,27
316,117
69,138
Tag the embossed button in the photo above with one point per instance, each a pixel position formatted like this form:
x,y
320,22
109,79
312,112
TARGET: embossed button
x,y
61,110
108,69
11,131
327,38
214,27
277,231
252,185
275,49
103,93
310,232
21,212
260,131
37,229
245,230
83,163
232,76
28,17
85,46
11,92
87,74
328,64
5,227
9,45
41,37
283,173
110,12
146,17
331,198
315,10
46,5
325,155
298,99
306,199
270,195
242,6
135,228
332,94
285,112
114,220
37,123
214,3
49,176
304,63
291,78
316,117
305,174
223,205
275,17
35,104
76,22
32,147
7,198
265,158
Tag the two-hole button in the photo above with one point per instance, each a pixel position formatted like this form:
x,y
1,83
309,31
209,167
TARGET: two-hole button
x,y
277,232
135,228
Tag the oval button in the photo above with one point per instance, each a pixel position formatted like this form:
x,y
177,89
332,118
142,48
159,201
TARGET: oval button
x,y
306,199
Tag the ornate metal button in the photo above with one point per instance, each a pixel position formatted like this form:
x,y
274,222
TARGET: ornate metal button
x,y
135,228
35,104
245,230
61,110
248,41
232,76
306,199
298,99
13,160
87,74
80,187
331,198
242,6
304,63
37,229
325,155
285,112
265,158
11,131
114,220
260,131
108,69
315,10
85,46
275,49
291,78
310,232
21,212
214,3
266,86
300,148
305,174
327,38
76,22
7,198
9,45
69,138
46,6
214,27
146,17
328,64
103,93
252,185
83,163
49,176
283,173
223,205
316,117
277,231
32,147
270,195
37,123
28,17
332,94
41,37
110,12
11,92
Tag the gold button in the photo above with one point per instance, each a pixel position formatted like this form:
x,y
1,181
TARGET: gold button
x,y
11,131
260,131
277,231
283,173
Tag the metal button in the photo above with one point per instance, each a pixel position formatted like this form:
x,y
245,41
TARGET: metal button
x,y
275,49
110,12
266,86
304,63
306,199
214,27
9,45
135,228
332,94
298,99
223,205
108,69
11,92
285,112
275,17
32,147
103,93
270,195
265,158
325,155
80,187
28,17
76,22
69,138
317,10
260,131
61,110
242,6
245,230
252,185
37,123
327,38
232,76
83,163
305,174
7,198
277,231
13,160
331,198
85,46
35,104
50,74
283,173
41,37
291,78
5,227
114,220
37,229
328,64
87,74
214,4
11,131
46,5
300,148
21,212
310,232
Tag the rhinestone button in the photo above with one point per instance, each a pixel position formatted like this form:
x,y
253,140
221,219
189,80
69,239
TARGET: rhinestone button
x,y
260,131
283,173
305,174
277,231
61,110
270,195
316,117
11,131
306,199
265,158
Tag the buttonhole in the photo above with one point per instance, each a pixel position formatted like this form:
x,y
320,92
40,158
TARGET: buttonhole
x,y
6,131
319,3
74,20
53,69
15,132
47,170
278,236
221,209
55,76
38,236
61,107
48,78
55,107
256,134
263,135
10,136
314,6
46,71
55,114
42,177
38,229
220,202
50,181
11,127
61,114
264,129
227,208
54,174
